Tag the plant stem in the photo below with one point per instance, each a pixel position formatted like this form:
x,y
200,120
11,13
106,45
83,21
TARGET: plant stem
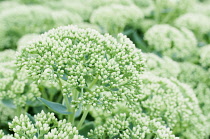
x,y
19,110
93,82
66,100
84,115
74,97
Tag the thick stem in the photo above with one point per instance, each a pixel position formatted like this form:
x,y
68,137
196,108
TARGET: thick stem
x,y
66,100
74,97
19,110
84,115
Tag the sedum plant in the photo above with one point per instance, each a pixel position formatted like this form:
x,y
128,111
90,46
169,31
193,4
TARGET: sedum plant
x,y
43,126
91,69
204,56
163,67
179,44
23,41
169,101
114,18
196,22
147,6
193,74
84,11
166,11
4,5
165,101
99,3
135,126
16,22
15,86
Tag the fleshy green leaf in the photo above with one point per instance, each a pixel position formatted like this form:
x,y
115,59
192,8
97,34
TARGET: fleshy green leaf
x,y
9,103
86,128
31,118
56,107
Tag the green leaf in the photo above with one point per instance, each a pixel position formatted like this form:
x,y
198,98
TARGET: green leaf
x,y
86,128
78,112
9,103
31,118
56,107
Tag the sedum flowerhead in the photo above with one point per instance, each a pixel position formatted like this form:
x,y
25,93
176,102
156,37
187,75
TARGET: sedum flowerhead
x,y
196,22
76,7
6,113
15,84
16,22
23,41
114,18
163,67
170,9
192,74
135,126
169,41
169,101
204,56
45,126
201,8
99,3
8,4
102,68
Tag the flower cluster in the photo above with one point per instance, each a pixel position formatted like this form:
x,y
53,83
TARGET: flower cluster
x,y
6,113
23,41
30,19
14,84
135,126
192,74
169,41
170,100
84,11
198,23
44,126
204,56
98,69
96,3
114,18
163,67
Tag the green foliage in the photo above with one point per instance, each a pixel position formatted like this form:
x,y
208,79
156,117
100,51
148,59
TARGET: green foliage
x,y
56,107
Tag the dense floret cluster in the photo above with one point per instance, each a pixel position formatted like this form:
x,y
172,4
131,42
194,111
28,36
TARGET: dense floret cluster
x,y
45,126
83,58
104,69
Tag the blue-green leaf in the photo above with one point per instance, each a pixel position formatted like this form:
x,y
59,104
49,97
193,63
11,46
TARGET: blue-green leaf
x,y
86,128
9,103
56,107
31,118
